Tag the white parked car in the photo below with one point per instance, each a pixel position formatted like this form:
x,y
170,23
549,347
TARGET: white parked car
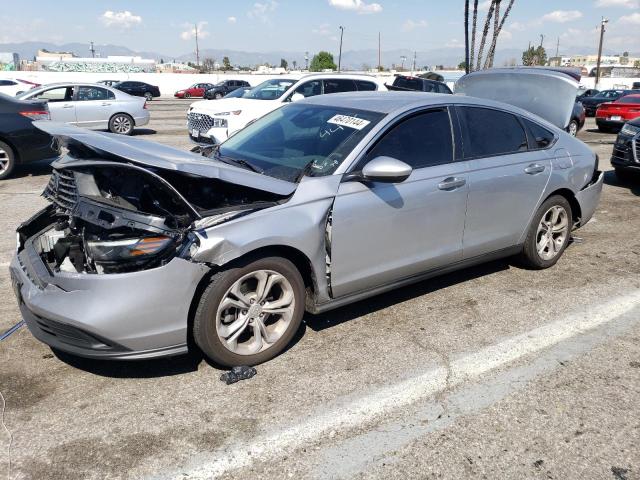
x,y
14,86
92,106
213,122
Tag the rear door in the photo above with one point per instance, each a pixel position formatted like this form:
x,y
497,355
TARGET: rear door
x,y
383,232
94,106
506,178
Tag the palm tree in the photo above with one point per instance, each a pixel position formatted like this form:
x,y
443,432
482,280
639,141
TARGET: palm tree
x,y
466,36
485,33
498,23
473,35
492,48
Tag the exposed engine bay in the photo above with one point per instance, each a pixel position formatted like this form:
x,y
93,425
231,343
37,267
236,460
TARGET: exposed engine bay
x,y
112,217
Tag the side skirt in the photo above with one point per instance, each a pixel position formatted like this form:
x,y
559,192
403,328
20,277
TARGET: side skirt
x,y
355,297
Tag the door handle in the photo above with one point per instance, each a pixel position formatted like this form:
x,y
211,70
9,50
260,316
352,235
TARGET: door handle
x,y
106,104
534,168
67,106
451,183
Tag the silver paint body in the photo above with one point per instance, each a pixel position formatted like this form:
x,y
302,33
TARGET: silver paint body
x,y
383,235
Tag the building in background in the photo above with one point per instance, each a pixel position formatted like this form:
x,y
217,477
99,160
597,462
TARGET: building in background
x,y
9,61
110,64
174,67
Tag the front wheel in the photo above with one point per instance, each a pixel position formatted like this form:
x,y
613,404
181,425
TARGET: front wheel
x,y
548,234
187,95
148,96
249,313
122,124
7,160
218,96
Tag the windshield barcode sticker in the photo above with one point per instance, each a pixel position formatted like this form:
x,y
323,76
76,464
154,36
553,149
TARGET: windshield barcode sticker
x,y
347,121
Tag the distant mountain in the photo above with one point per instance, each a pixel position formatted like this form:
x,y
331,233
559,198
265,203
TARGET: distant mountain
x,y
351,59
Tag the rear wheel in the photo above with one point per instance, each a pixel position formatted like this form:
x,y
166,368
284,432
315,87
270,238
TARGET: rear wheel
x,y
249,313
122,124
573,128
548,234
187,95
7,160
218,96
148,96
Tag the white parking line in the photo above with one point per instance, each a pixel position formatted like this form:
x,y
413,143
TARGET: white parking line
x,y
384,400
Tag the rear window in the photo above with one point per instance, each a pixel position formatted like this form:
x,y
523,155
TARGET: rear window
x,y
490,132
411,83
629,99
365,86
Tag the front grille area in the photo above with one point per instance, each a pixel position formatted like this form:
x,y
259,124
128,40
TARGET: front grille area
x,y
635,146
74,336
199,121
62,189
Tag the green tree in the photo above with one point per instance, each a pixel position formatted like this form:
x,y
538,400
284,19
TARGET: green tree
x,y
322,61
462,65
534,56
283,63
226,63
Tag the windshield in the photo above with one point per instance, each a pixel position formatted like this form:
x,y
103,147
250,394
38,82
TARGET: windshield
x,y
270,90
299,140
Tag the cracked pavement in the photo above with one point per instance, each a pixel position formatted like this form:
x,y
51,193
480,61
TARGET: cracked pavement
x,y
379,389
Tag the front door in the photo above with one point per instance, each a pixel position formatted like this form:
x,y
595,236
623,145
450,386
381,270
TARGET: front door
x,y
385,232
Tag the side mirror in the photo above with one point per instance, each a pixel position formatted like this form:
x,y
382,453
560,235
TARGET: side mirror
x,y
296,97
387,170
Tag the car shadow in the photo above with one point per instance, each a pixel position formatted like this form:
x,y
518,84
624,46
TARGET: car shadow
x,y
143,131
341,315
153,368
33,169
632,183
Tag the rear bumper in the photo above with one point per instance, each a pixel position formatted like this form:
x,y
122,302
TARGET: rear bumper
x,y
142,119
118,316
603,122
589,197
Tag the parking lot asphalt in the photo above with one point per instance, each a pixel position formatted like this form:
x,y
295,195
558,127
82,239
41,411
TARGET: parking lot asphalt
x,y
492,372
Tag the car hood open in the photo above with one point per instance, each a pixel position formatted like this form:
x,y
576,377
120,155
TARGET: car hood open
x,y
547,92
142,152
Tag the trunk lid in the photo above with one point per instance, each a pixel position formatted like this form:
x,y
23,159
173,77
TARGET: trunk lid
x,y
548,93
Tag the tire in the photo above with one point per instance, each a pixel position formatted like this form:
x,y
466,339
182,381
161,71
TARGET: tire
x,y
551,252
7,160
573,128
122,124
213,322
624,175
187,95
148,96
218,96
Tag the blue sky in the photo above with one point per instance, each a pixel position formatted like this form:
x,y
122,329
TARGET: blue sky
x,y
300,25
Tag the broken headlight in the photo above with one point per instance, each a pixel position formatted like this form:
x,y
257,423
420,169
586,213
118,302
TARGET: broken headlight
x,y
126,249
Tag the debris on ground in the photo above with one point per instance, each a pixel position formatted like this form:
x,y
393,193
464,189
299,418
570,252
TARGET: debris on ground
x,y
238,373
13,329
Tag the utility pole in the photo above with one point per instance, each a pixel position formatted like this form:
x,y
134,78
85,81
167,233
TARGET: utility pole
x,y
414,60
93,51
379,61
340,54
197,49
602,24
541,39
558,50
403,58
306,60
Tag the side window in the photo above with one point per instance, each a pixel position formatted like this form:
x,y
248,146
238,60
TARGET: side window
x,y
365,86
541,137
491,132
310,89
59,94
337,85
94,93
6,83
442,88
422,140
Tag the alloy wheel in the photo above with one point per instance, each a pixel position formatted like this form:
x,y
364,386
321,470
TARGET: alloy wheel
x,y
552,232
255,312
573,129
148,96
122,124
5,161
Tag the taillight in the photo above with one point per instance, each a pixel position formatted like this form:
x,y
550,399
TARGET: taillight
x,y
37,115
144,106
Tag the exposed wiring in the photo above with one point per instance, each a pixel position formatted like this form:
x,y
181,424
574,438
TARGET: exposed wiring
x,y
10,436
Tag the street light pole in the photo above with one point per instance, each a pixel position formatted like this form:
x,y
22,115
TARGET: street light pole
x,y
340,54
602,23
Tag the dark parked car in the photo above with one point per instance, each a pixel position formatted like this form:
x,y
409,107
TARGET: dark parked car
x,y
626,150
238,92
578,117
138,89
591,104
221,89
108,83
20,141
406,83
592,92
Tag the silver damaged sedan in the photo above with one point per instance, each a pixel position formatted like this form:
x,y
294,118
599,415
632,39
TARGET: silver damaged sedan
x,y
147,251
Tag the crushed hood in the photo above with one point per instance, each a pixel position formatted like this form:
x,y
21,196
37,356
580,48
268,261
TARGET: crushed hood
x,y
152,154
547,92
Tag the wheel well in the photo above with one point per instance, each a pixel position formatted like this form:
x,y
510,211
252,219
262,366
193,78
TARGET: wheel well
x,y
576,212
122,113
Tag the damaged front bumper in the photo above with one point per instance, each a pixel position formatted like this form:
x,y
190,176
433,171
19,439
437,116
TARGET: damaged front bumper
x,y
589,197
134,315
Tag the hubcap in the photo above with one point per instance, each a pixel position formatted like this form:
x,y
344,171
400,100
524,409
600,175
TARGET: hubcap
x,y
573,129
4,160
121,124
552,232
255,312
